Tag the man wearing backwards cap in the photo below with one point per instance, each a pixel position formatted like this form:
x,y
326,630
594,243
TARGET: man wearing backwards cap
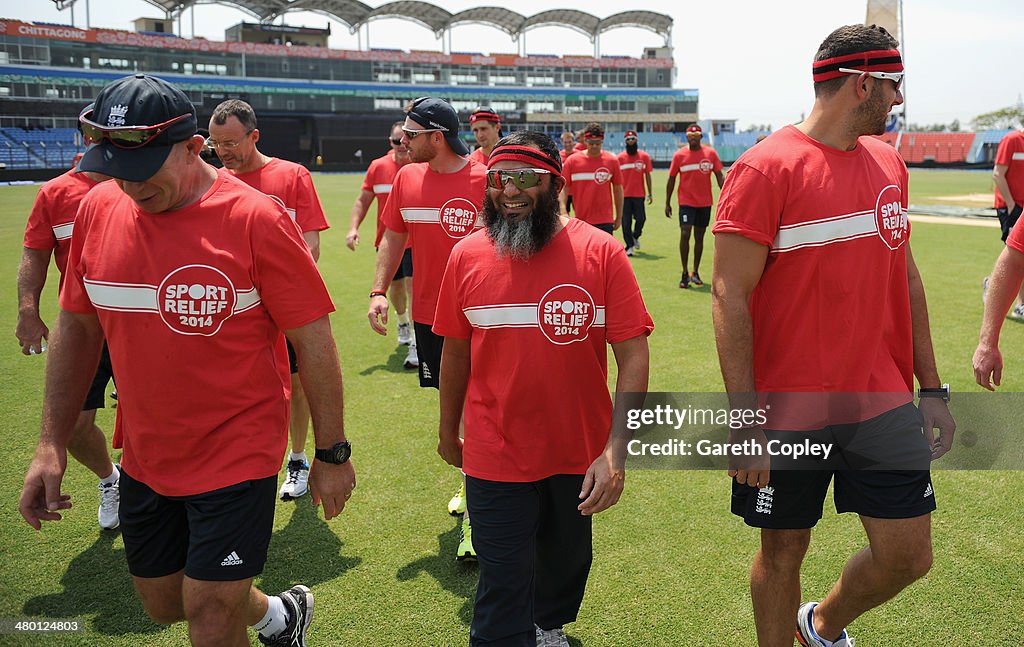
x,y
191,275
536,474
434,202
694,164
636,173
486,127
811,244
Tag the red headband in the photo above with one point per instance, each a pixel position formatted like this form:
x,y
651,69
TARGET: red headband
x,y
485,115
879,60
532,156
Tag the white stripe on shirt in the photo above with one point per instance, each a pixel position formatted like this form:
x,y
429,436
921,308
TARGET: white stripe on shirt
x,y
825,231
63,232
513,315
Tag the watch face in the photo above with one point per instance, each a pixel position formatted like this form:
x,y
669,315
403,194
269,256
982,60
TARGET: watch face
x,y
341,452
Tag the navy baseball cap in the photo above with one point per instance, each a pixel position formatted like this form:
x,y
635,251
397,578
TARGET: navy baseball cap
x,y
438,113
132,103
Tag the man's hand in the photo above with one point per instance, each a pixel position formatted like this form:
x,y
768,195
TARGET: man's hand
x,y
332,485
617,223
352,239
668,211
602,485
450,449
31,332
41,497
650,199
936,415
378,314
752,467
988,366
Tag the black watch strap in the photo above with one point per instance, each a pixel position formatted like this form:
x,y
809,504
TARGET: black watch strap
x,y
336,455
940,392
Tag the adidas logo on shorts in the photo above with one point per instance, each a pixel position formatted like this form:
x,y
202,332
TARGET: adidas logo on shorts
x,y
231,560
928,491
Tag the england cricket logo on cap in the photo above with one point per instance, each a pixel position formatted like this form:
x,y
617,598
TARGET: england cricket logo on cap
x,y
196,300
566,313
890,217
117,115
458,217
602,175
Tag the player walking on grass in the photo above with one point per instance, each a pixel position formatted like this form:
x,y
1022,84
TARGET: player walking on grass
x,y
1008,177
526,308
191,275
636,175
820,311
233,135
377,185
434,203
594,180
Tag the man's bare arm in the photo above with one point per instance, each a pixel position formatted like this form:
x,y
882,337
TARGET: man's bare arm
x,y
455,367
31,331
359,209
392,246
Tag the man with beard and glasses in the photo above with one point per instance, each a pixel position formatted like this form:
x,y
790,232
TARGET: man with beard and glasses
x,y
486,126
233,135
526,308
377,184
434,202
817,300
636,173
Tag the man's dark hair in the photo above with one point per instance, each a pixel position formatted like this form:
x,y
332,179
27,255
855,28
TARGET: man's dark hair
x,y
238,109
593,128
532,139
850,39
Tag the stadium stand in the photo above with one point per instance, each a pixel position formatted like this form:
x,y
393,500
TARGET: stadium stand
x,y
940,148
983,150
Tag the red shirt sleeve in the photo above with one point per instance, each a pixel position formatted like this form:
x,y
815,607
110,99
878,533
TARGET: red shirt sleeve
x,y
616,171
749,206
39,229
625,313
309,212
368,178
673,168
449,319
1003,153
648,166
392,215
73,296
567,171
289,284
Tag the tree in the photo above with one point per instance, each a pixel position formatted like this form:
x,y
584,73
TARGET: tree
x,y
1002,119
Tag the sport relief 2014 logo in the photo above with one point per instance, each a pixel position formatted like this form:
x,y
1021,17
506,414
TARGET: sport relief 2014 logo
x,y
705,166
890,217
458,217
196,300
566,312
602,176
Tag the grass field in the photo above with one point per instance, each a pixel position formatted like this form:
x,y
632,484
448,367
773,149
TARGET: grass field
x,y
671,563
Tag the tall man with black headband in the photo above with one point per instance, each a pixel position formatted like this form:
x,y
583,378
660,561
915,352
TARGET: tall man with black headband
x,y
546,294
191,275
486,126
817,300
434,203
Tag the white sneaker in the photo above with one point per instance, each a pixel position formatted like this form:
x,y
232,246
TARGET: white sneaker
x,y
412,360
297,482
404,335
551,637
808,637
629,251
636,244
1018,312
110,501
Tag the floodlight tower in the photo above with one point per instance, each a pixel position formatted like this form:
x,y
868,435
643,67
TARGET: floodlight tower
x,y
889,14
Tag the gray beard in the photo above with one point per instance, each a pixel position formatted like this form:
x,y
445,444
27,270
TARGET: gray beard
x,y
521,240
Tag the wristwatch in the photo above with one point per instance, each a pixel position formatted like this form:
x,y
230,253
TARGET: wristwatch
x,y
336,455
941,392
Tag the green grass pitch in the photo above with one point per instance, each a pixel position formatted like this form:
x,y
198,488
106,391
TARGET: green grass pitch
x,y
671,563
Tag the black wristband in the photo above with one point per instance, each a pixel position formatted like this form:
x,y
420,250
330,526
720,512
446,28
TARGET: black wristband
x,y
378,293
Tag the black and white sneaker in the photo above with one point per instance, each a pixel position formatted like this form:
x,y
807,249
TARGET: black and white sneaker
x,y
296,483
298,601
684,282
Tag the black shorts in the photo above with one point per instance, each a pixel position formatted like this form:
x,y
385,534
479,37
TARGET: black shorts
x,y
293,359
1007,219
695,216
220,536
863,462
428,348
605,226
96,397
404,270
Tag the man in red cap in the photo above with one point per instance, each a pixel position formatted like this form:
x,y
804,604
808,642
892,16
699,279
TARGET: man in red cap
x,y
595,180
486,126
817,300
694,164
636,174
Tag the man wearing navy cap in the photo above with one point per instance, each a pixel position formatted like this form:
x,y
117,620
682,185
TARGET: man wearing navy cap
x,y
191,275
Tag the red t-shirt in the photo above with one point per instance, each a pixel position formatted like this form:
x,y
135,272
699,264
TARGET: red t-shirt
x,y
591,179
192,303
436,210
634,169
1011,154
53,216
478,156
378,180
291,184
831,313
537,402
580,146
694,169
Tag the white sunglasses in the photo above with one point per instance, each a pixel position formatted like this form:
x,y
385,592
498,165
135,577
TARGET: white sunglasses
x,y
895,77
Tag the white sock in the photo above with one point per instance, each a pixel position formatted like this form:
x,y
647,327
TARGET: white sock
x,y
301,456
276,619
110,480
403,318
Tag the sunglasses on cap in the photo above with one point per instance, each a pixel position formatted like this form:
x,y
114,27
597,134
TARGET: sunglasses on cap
x,y
895,77
523,178
127,137
412,133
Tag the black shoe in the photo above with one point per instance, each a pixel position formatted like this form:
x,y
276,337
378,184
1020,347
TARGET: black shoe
x,y
298,601
685,281
695,280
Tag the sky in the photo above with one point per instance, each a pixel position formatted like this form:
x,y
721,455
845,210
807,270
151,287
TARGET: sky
x,y
750,59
